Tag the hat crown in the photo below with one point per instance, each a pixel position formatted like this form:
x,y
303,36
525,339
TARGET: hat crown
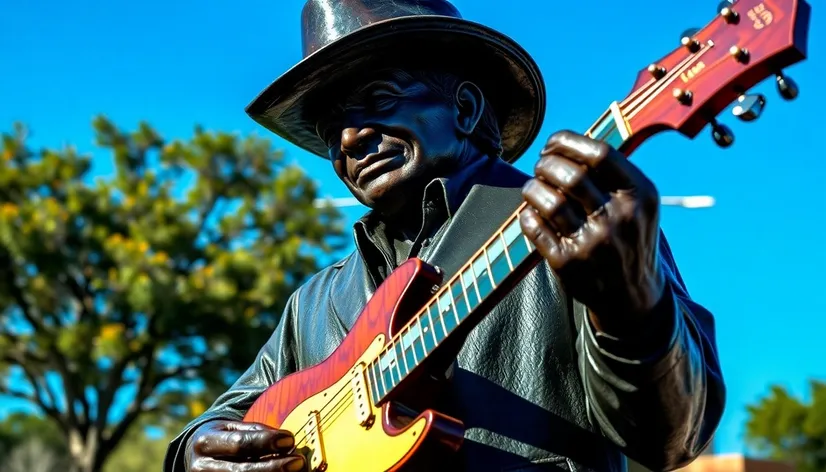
x,y
325,21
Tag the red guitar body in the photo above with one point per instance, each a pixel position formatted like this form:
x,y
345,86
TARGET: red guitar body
x,y
398,436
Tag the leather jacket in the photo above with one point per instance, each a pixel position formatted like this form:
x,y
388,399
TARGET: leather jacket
x,y
535,385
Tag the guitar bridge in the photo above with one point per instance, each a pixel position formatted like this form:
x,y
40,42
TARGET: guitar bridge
x,y
317,459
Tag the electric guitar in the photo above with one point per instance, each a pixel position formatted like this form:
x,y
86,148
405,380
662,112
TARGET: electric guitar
x,y
345,412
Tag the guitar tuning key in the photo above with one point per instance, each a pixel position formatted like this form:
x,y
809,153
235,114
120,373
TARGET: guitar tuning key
x,y
786,87
688,41
722,134
726,10
749,107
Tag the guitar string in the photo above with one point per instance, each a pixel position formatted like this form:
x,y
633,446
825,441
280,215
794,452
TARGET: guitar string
x,y
645,92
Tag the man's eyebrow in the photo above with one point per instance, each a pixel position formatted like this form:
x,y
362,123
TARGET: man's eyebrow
x,y
378,84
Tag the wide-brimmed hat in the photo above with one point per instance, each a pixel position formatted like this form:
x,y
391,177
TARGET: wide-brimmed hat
x,y
346,39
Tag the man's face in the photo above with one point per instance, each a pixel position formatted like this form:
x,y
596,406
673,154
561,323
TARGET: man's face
x,y
389,137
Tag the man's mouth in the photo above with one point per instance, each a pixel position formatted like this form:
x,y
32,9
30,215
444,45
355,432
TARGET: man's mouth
x,y
376,164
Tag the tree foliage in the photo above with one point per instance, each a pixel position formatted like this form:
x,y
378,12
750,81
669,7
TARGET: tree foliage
x,y
786,428
148,291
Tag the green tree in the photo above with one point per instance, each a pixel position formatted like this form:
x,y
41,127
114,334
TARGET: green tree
x,y
148,292
785,428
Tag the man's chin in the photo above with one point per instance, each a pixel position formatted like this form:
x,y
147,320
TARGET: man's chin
x,y
386,200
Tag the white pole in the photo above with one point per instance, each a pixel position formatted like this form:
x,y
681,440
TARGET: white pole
x,y
689,202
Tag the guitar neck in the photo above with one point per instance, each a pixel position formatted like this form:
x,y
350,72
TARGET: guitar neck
x,y
470,294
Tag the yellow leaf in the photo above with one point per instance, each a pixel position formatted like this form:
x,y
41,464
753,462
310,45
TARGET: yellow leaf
x,y
196,407
143,246
249,313
111,331
208,271
9,209
160,258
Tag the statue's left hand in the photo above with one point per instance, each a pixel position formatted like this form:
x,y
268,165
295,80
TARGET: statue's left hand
x,y
595,217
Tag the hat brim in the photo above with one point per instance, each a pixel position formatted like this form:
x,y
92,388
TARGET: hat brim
x,y
507,75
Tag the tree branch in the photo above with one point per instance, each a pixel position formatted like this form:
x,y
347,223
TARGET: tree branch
x,y
112,440
72,394
38,397
20,298
106,394
84,298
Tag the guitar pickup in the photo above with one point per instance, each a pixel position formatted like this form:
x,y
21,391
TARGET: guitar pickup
x,y
317,458
361,397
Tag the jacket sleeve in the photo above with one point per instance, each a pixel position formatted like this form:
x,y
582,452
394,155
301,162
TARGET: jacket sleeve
x,y
274,361
659,397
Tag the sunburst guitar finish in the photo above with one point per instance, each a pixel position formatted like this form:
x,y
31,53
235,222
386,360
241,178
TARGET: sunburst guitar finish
x,y
329,407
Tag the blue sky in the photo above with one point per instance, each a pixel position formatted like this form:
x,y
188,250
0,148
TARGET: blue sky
x,y
756,259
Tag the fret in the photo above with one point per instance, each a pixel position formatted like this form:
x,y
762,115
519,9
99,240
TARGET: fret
x,y
393,359
441,324
464,291
445,306
497,261
398,350
408,354
513,231
452,301
483,284
505,250
517,250
457,291
487,261
472,296
462,310
410,345
374,382
383,377
421,337
432,331
472,281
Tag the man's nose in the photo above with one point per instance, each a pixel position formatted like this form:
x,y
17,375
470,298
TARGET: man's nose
x,y
354,140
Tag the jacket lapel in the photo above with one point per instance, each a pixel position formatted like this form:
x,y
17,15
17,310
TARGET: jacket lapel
x,y
487,206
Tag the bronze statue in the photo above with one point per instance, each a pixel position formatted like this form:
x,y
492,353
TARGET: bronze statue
x,y
597,354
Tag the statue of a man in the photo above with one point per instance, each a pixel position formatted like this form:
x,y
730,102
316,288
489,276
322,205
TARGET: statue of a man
x,y
597,354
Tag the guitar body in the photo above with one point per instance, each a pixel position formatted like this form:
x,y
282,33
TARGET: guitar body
x,y
336,433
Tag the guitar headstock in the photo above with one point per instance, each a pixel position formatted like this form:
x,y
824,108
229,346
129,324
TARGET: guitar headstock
x,y
748,41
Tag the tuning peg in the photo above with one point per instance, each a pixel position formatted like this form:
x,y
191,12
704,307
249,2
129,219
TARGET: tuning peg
x,y
688,41
722,134
749,107
726,10
786,87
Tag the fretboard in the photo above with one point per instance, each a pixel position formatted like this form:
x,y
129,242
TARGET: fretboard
x,y
507,253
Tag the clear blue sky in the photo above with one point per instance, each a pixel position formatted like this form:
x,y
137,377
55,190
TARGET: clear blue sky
x,y
756,259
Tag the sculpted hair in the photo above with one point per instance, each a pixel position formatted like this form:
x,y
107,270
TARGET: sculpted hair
x,y
487,136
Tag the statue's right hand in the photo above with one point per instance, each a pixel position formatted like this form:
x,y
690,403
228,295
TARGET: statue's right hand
x,y
233,446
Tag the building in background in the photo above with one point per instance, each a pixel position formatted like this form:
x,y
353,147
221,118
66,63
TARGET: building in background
x,y
710,462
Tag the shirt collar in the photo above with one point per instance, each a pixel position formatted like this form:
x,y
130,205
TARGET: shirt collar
x,y
443,193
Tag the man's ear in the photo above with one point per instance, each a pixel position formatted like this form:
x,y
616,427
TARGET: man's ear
x,y
470,103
